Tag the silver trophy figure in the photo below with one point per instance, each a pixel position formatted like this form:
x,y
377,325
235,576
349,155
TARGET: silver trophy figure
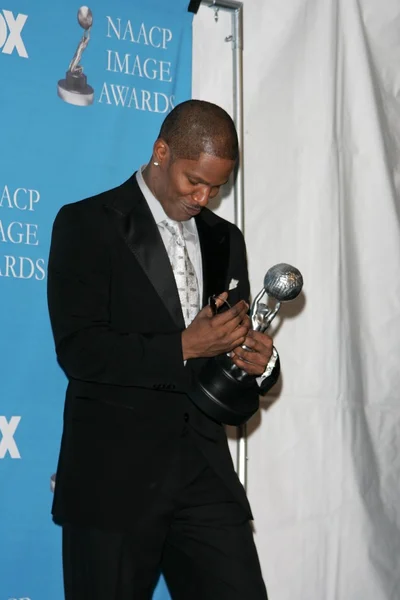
x,y
282,283
225,392
74,89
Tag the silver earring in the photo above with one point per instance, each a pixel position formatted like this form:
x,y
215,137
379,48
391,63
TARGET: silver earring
x,y
156,164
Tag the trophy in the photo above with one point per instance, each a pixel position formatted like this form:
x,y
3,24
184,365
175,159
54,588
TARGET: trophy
x,y
74,89
225,392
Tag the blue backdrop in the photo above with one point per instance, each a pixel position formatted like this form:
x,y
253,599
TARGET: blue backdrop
x,y
138,63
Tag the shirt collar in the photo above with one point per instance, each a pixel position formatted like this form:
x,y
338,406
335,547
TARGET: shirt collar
x,y
156,207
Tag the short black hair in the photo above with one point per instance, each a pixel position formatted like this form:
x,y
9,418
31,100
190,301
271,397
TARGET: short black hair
x,y
195,127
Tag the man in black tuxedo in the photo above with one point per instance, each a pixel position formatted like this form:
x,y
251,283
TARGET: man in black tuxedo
x,y
145,481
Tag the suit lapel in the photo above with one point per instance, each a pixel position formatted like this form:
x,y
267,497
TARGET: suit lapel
x,y
214,243
138,229
140,233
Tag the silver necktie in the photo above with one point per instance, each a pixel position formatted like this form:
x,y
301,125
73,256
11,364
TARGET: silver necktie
x,y
184,272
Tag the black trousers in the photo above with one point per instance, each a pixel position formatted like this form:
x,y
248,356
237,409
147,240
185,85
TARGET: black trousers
x,y
197,536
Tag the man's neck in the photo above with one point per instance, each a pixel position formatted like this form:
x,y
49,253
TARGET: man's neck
x,y
147,174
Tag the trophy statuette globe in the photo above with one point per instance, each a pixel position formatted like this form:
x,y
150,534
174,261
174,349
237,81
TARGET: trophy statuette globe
x,y
225,392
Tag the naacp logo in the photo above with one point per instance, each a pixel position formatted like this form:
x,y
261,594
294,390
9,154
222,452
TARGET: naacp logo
x,y
11,33
8,444
74,89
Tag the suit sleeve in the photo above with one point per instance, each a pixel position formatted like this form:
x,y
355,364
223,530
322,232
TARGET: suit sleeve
x,y
87,346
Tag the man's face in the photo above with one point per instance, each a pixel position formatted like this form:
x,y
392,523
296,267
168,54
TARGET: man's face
x,y
184,186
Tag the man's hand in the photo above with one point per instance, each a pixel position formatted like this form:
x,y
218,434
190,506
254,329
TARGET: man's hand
x,y
210,335
255,361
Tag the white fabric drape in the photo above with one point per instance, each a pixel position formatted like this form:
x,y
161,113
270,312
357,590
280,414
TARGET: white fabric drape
x,y
322,177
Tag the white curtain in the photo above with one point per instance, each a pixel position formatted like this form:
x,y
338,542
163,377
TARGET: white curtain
x,y
322,178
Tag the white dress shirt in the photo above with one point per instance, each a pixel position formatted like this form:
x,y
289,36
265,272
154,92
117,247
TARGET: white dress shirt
x,y
190,233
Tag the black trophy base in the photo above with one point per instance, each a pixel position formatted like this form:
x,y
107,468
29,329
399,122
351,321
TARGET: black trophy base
x,y
74,89
225,393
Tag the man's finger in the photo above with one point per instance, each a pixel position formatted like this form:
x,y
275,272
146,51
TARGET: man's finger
x,y
206,311
254,358
263,338
238,337
236,312
220,299
250,368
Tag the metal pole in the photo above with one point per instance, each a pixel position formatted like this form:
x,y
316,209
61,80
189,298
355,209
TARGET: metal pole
x,y
236,8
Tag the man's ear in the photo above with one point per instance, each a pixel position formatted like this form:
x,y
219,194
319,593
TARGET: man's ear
x,y
161,152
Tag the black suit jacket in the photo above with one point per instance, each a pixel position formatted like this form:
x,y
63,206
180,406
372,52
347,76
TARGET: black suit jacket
x,y
117,324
